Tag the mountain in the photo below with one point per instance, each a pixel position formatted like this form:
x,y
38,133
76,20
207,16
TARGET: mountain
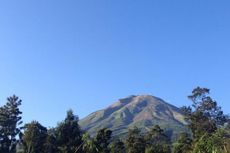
x,y
142,111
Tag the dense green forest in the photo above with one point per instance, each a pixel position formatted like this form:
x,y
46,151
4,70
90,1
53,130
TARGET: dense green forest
x,y
209,133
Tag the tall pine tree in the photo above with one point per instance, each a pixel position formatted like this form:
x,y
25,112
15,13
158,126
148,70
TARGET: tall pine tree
x,y
10,121
69,134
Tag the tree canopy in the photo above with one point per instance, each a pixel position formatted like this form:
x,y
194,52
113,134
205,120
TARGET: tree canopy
x,y
208,132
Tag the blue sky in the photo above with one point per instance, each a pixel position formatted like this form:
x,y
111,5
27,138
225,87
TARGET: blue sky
x,y
86,54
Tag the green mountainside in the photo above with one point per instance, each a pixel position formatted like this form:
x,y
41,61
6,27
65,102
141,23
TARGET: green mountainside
x,y
142,111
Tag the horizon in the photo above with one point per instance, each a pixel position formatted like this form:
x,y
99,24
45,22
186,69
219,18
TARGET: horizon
x,y
85,55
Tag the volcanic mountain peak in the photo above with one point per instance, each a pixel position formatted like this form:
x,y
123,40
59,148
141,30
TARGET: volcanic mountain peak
x,y
139,101
142,111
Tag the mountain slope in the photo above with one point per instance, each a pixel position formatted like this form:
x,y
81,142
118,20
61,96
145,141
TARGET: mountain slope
x,y
142,111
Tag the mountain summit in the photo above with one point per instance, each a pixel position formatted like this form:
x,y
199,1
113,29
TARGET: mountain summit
x,y
143,111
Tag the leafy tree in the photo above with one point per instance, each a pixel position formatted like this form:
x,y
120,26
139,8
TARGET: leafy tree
x,y
34,138
135,141
10,121
202,102
89,145
211,143
183,144
51,142
205,116
205,119
117,146
100,143
69,134
102,140
157,141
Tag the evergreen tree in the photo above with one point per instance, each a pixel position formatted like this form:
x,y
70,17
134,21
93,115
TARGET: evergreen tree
x,y
34,138
10,121
135,141
102,140
100,143
69,134
51,142
157,141
117,146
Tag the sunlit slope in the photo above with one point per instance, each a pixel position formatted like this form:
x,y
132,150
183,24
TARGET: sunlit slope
x,y
142,111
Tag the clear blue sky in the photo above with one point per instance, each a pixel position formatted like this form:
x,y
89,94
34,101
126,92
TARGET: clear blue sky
x,y
86,54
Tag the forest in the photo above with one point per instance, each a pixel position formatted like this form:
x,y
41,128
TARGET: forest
x,y
208,132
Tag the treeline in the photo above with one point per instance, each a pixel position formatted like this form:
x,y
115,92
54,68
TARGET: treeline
x,y
209,133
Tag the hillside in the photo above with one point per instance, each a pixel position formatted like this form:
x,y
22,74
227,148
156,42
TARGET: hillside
x,y
142,111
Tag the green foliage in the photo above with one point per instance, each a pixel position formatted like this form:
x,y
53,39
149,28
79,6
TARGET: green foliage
x,y
202,102
211,143
183,144
100,143
89,145
210,129
117,146
69,134
135,141
157,141
205,116
205,120
51,142
10,120
201,124
120,117
102,140
34,138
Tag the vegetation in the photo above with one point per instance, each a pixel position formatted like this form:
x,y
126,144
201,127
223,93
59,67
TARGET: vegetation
x,y
34,137
10,121
157,141
209,133
139,112
135,141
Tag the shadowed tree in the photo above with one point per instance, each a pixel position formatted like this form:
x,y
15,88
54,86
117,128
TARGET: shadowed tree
x,y
34,138
117,146
183,144
202,102
10,121
100,143
69,134
102,140
205,116
89,145
205,119
135,141
51,142
157,141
